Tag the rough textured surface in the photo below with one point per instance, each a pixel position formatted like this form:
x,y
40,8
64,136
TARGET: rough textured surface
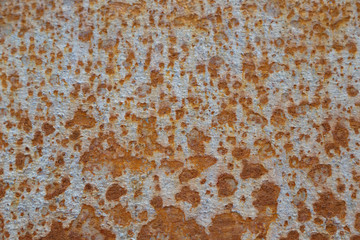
x,y
179,119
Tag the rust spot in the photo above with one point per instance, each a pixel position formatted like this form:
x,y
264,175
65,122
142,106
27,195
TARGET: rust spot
x,y
196,141
188,174
188,195
319,173
170,223
357,222
292,235
114,192
82,119
278,117
328,206
240,153
352,91
227,226
120,215
156,78
304,215
266,196
252,170
319,236
55,189
226,185
203,162
21,159
341,135
3,187
48,128
86,226
156,202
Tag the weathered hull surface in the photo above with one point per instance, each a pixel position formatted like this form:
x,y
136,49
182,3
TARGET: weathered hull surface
x,y
179,119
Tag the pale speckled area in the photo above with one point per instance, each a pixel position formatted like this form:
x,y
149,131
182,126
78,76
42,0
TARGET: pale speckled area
x,y
178,119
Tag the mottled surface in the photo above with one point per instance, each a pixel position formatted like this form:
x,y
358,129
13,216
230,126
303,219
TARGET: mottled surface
x,y
179,119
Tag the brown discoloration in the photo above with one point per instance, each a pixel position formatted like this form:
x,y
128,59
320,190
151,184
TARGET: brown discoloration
x,y
120,215
157,202
188,195
354,124
319,173
226,116
75,135
252,170
341,135
82,119
227,226
278,117
56,188
266,196
352,91
202,163
319,236
331,228
25,124
38,139
292,235
328,206
3,187
48,129
240,153
196,141
114,192
304,215
87,225
85,36
304,162
156,78
355,237
188,174
170,223
357,222
173,165
21,159
226,185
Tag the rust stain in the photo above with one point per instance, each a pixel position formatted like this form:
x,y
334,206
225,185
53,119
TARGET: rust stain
x,y
205,119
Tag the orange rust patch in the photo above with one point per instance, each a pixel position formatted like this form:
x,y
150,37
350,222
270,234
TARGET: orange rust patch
x,y
3,187
202,163
188,174
21,159
357,222
120,215
226,185
266,196
328,206
188,195
55,189
87,225
319,173
170,223
48,128
319,236
114,192
82,119
240,153
196,141
227,226
341,135
292,235
252,170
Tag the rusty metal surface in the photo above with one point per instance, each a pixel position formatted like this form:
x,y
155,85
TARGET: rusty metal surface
x,y
179,119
